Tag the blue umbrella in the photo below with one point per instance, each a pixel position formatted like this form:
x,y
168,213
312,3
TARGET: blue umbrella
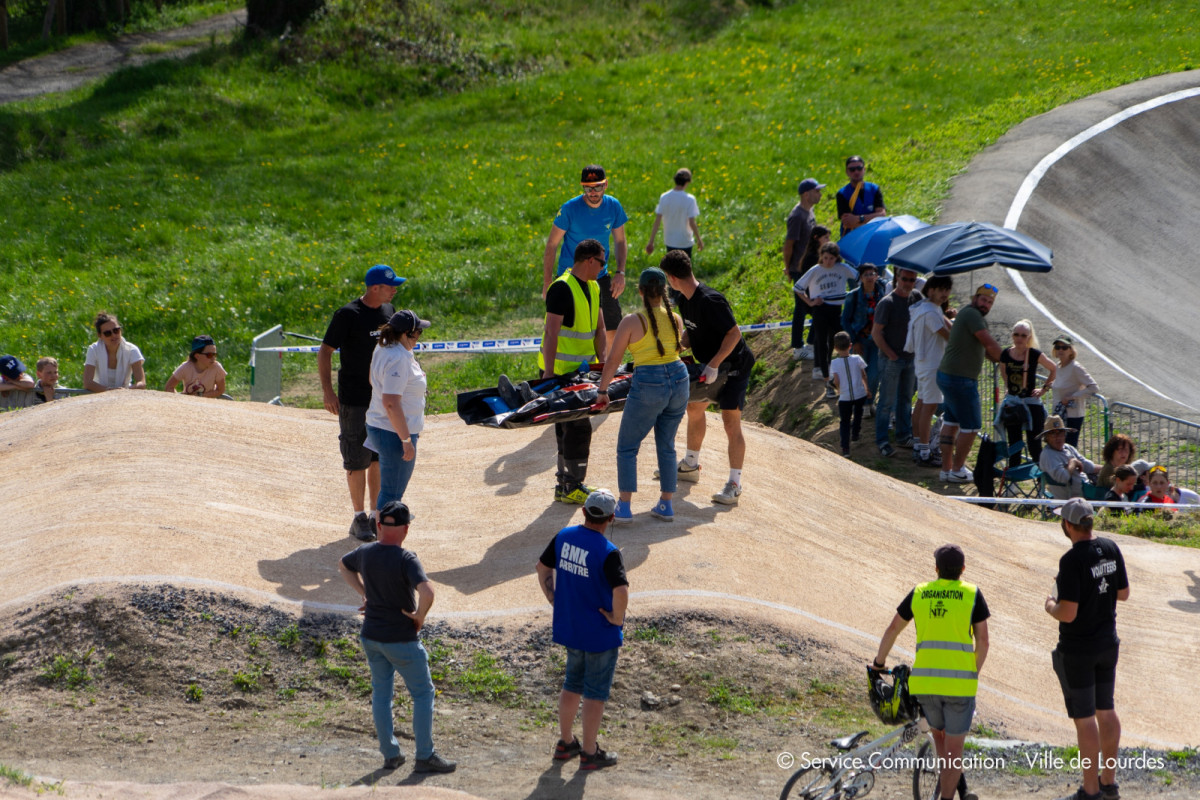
x,y
868,244
964,246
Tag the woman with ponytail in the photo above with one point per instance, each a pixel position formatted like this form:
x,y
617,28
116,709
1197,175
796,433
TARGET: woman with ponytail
x,y
658,392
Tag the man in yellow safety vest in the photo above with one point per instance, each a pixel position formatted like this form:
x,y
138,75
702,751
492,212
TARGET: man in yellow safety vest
x,y
952,644
574,336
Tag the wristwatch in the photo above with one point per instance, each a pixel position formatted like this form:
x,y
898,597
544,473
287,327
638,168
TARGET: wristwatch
x,y
860,217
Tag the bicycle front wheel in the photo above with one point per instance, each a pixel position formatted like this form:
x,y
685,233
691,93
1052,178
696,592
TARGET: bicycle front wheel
x,y
925,775
811,783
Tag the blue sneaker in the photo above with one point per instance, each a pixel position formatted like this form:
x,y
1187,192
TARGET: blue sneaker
x,y
624,515
663,511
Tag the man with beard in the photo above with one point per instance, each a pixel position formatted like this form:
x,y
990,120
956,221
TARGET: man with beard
x,y
958,379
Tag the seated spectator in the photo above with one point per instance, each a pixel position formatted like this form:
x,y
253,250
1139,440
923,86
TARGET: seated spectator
x,y
16,387
1141,467
1158,487
201,374
1118,451
1065,468
112,362
1184,496
1123,479
47,379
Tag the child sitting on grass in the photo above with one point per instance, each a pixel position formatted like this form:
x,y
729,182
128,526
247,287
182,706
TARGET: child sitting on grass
x,y
1124,478
849,375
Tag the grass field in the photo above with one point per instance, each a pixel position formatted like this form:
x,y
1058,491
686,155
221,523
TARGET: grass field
x,y
253,184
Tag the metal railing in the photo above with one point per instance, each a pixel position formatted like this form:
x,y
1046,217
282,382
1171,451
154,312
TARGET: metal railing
x,y
1166,440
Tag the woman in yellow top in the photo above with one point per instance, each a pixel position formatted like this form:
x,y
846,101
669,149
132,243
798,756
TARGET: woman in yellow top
x,y
658,392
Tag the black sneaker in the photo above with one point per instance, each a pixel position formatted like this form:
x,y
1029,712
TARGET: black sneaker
x,y
508,393
597,760
434,763
1082,795
374,527
360,528
886,450
394,762
565,752
1109,791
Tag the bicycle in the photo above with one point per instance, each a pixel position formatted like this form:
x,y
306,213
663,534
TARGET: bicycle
x,y
850,774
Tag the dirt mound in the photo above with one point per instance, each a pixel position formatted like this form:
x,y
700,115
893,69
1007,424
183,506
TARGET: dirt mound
x,y
144,487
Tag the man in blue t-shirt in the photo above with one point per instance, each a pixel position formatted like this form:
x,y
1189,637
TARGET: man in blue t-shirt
x,y
592,215
858,202
386,577
582,575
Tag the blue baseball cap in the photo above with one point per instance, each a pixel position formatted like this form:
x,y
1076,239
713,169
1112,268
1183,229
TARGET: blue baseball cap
x,y
11,367
382,273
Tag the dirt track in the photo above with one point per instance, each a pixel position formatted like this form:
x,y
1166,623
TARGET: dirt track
x,y
251,497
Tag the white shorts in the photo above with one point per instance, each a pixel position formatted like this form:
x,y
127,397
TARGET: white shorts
x,y
927,388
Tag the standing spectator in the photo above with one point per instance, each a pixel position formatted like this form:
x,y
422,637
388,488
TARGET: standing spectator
x,y
1118,451
952,644
1018,367
582,575
676,212
797,243
898,379
713,335
1072,387
858,201
47,379
858,319
823,290
386,577
1065,468
658,392
201,374
928,331
353,332
16,387
574,336
958,378
592,215
396,415
1091,579
111,362
848,374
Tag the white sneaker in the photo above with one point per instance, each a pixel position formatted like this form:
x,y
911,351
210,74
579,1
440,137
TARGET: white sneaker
x,y
806,352
797,354
869,411
729,495
818,375
685,472
963,475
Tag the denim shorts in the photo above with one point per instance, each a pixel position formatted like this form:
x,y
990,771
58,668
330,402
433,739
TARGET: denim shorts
x,y
590,674
962,402
950,714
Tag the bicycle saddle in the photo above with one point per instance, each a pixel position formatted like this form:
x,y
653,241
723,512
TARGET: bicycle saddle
x,y
849,742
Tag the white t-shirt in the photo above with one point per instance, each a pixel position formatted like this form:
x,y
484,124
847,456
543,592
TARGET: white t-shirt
x,y
828,283
128,354
924,321
395,371
677,207
850,386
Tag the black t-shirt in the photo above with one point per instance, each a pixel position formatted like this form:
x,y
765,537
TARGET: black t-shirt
x,y
708,317
978,613
1018,380
354,330
390,575
1090,574
614,567
561,300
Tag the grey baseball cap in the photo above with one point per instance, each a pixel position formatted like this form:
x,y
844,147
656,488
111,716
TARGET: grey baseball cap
x,y
600,503
1075,510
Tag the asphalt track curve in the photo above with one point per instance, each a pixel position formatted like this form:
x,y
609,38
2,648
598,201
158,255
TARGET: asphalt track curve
x,y
1111,183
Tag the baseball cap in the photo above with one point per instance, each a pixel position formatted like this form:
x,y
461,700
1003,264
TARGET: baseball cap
x,y
592,174
808,184
11,367
652,276
394,513
407,320
202,341
949,557
382,273
1075,510
1065,339
600,503
1142,466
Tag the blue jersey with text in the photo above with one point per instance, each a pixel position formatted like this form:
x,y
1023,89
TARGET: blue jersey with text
x,y
581,590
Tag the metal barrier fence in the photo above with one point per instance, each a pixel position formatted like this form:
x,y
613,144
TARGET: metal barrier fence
x,y
1166,440
1096,428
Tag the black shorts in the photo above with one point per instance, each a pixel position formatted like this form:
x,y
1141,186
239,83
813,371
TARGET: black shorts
x,y
352,422
609,305
1087,680
733,396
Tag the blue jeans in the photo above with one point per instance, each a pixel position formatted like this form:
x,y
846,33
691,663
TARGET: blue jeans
x,y
394,471
871,355
658,397
412,662
897,385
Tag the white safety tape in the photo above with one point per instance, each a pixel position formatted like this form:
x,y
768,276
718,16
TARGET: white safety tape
x,y
529,345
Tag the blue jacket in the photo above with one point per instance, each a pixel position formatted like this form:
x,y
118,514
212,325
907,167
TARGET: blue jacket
x,y
580,590
855,313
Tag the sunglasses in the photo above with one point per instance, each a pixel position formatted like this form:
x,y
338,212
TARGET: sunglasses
x,y
1153,470
111,332
594,189
213,354
1020,335
855,168
907,278
988,287
1062,347
603,263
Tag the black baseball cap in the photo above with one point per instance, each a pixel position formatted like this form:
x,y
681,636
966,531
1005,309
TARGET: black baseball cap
x,y
394,513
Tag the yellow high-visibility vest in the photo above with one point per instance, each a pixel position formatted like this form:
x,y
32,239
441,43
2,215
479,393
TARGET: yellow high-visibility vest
x,y
945,663
577,343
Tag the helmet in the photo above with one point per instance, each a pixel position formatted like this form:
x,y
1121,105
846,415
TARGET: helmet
x,y
892,703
